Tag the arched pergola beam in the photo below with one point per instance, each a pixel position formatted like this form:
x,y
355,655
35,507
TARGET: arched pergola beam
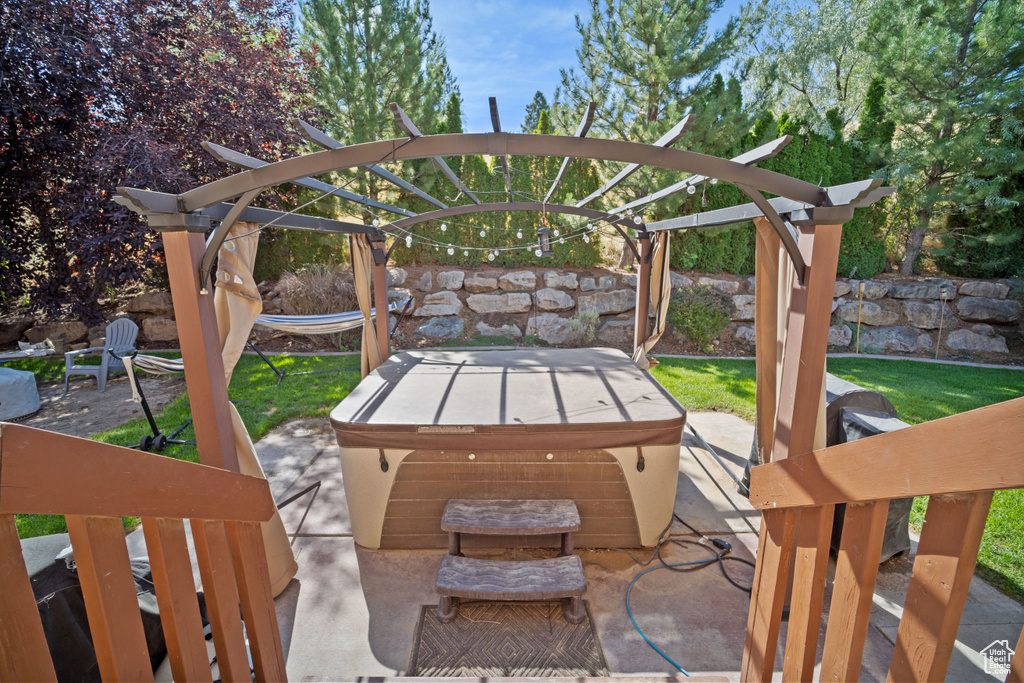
x,y
495,144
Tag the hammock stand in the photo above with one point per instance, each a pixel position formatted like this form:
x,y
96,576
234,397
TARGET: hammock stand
x,y
158,366
321,324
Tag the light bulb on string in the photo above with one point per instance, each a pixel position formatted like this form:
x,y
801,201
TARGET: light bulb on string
x,y
714,181
408,241
376,222
490,257
586,238
637,220
450,251
519,234
536,252
444,227
557,233
483,233
691,190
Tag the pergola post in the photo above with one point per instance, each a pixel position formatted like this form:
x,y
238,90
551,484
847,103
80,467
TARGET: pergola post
x,y
643,292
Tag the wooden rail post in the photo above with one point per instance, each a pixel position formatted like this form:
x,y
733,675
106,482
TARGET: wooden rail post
x,y
767,255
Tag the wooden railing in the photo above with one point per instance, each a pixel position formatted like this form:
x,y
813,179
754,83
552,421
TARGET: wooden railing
x,y
958,461
95,485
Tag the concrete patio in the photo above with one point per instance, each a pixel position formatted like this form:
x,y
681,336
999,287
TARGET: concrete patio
x,y
352,612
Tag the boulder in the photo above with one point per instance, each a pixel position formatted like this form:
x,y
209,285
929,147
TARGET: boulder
x,y
438,304
928,288
396,277
745,305
479,284
992,290
398,293
550,327
752,284
588,284
97,333
12,327
605,303
629,279
426,282
928,316
21,398
970,340
677,280
836,303
839,335
872,290
724,286
901,339
510,330
616,332
441,328
606,282
520,280
984,310
549,299
268,306
746,334
514,302
60,333
450,279
159,329
870,314
841,289
553,278
154,303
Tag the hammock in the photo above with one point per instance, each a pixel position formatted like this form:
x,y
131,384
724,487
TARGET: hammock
x,y
322,324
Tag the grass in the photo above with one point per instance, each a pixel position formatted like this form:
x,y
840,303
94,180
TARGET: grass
x,y
261,405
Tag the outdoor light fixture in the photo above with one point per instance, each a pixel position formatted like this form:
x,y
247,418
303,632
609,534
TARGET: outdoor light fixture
x,y
544,242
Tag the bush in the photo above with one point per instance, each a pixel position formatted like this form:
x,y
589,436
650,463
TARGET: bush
x,y
701,313
583,326
318,289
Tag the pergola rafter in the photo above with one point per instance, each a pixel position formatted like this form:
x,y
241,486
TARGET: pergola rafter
x,y
496,124
581,132
403,121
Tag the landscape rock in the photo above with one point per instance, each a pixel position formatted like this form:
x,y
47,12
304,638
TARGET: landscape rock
x,y
746,334
616,332
21,397
872,290
439,304
515,302
426,282
836,303
724,286
839,335
605,303
11,328
550,327
510,330
841,289
398,293
519,281
985,310
268,306
60,332
450,279
97,333
277,302
871,314
606,282
745,305
928,316
901,339
928,288
752,284
159,329
479,284
397,276
992,290
553,278
677,280
970,340
982,328
441,328
549,299
588,284
629,279
155,303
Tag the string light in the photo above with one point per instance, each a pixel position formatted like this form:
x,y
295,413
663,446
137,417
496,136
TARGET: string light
x,y
691,190
490,257
451,251
483,233
714,181
444,227
557,233
519,234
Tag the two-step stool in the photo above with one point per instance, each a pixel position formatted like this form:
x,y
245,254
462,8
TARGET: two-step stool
x,y
474,579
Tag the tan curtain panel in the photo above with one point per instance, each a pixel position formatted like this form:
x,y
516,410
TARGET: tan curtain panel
x,y
362,271
238,303
661,294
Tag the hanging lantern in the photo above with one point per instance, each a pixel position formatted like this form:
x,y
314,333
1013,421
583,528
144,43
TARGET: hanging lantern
x,y
544,242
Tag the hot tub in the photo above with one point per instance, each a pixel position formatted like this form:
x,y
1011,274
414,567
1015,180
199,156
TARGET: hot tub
x,y
583,424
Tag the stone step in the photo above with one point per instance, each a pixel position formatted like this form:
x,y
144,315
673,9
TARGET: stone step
x,y
510,517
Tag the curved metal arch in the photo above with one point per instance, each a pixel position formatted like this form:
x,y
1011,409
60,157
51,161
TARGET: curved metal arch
x,y
499,144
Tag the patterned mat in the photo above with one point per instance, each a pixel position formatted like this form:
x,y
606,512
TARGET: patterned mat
x,y
507,639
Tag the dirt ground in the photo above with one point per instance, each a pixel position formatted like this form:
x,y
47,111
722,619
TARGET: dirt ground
x,y
84,411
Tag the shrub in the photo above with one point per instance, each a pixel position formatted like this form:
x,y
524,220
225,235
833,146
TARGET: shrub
x,y
318,289
583,326
701,313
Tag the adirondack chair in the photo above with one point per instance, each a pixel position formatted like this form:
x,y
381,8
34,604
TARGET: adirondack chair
x,y
121,336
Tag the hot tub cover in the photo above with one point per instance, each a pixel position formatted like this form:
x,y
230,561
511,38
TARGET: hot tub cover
x,y
522,399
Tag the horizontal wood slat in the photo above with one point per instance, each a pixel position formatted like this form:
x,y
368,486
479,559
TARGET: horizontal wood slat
x,y
44,472
926,459
24,655
108,589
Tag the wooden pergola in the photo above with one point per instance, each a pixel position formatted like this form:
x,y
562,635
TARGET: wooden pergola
x,y
797,248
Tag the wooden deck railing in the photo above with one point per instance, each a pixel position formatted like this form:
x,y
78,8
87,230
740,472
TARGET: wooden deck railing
x,y
95,485
958,461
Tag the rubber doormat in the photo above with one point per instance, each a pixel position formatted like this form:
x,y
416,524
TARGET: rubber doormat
x,y
507,639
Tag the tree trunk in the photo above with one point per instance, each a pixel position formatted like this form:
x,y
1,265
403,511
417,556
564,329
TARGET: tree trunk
x,y
912,247
626,258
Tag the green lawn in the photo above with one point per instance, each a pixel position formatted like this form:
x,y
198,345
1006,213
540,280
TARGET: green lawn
x,y
920,392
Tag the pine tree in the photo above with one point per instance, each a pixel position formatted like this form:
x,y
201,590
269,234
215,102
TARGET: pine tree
x,y
533,110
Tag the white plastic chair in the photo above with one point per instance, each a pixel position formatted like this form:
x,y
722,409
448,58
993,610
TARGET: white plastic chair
x,y
121,336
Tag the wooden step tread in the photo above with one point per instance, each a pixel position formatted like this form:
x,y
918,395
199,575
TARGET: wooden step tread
x,y
467,577
510,517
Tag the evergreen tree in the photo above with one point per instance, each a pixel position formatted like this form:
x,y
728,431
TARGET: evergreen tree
x,y
533,110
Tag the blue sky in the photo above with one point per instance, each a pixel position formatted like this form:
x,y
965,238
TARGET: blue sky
x,y
510,49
